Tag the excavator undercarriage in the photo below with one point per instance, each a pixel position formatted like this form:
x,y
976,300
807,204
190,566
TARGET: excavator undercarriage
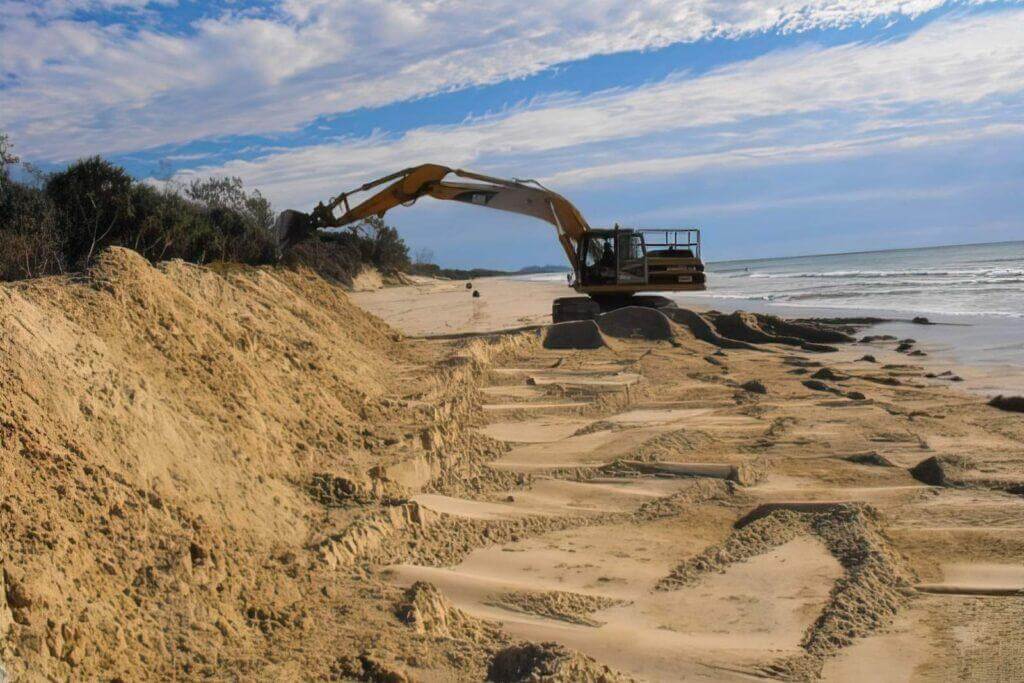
x,y
613,267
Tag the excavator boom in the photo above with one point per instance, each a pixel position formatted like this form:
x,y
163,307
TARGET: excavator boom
x,y
406,186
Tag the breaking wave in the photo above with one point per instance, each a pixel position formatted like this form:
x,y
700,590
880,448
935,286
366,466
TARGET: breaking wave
x,y
976,279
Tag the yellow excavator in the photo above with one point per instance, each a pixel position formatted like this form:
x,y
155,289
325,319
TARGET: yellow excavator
x,y
613,267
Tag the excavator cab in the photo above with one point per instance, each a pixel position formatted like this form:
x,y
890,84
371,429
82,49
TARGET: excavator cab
x,y
625,260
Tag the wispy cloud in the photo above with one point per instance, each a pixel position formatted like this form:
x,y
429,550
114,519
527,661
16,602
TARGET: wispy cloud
x,y
77,87
954,80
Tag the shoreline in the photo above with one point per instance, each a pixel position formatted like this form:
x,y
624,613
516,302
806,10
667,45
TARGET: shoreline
x,y
445,308
970,346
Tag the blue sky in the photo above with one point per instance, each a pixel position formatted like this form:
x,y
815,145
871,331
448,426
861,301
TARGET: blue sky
x,y
779,128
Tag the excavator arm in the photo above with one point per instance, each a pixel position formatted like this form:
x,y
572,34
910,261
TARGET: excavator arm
x,y
525,197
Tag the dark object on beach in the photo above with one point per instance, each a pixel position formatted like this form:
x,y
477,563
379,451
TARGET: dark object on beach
x,y
816,385
929,471
754,386
921,320
917,352
948,374
877,337
829,374
868,358
904,346
908,340
855,396
1014,404
870,458
476,294
469,285
801,362
713,360
799,371
888,381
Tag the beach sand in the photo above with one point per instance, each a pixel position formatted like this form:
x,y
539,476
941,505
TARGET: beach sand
x,y
245,475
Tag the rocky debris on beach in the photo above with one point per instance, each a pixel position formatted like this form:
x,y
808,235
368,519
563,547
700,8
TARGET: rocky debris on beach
x,y
817,385
946,375
830,375
754,386
870,458
1009,403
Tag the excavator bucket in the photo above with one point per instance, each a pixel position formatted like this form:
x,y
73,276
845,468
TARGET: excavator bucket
x,y
292,227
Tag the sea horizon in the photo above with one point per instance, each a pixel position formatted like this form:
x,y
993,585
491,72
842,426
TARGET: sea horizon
x,y
865,251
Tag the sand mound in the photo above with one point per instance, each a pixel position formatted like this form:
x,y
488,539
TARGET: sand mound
x,y
636,322
428,612
574,608
807,331
702,329
368,280
576,334
1000,473
547,663
757,329
176,444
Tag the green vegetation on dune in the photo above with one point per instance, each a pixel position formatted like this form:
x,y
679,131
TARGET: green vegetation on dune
x,y
53,223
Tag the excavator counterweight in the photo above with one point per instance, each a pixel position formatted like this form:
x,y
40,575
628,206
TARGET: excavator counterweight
x,y
610,266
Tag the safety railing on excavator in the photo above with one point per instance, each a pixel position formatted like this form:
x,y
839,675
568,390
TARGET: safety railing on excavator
x,y
672,240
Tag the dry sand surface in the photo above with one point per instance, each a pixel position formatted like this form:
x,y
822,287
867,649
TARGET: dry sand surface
x,y
440,307
239,474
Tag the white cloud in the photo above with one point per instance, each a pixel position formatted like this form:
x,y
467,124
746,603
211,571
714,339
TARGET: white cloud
x,y
81,87
952,81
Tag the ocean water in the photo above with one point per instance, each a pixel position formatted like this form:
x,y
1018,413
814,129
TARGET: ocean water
x,y
972,280
975,294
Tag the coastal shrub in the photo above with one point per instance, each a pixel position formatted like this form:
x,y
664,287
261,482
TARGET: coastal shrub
x,y
53,223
